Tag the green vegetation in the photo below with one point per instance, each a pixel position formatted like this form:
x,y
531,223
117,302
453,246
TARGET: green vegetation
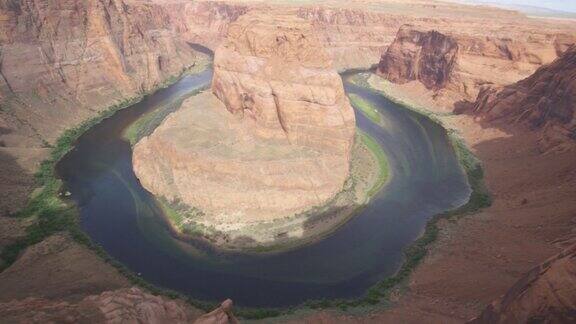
x,y
182,217
416,252
366,108
50,213
480,196
383,167
148,122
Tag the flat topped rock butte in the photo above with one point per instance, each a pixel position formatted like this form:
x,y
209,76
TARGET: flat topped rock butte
x,y
272,141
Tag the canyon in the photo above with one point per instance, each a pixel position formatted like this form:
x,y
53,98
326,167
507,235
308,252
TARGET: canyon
x,y
63,62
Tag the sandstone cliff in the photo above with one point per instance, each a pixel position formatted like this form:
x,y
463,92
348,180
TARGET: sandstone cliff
x,y
81,57
277,142
62,62
546,294
545,101
429,57
203,22
275,74
127,305
446,66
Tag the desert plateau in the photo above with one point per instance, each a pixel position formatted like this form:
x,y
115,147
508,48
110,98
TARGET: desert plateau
x,y
232,161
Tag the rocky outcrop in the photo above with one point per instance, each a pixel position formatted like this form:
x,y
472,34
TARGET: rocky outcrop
x,y
273,141
81,57
204,22
447,65
61,281
546,294
545,101
275,74
63,62
221,315
429,57
563,42
354,38
128,305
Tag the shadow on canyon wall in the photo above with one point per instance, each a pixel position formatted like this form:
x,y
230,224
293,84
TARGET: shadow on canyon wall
x,y
532,220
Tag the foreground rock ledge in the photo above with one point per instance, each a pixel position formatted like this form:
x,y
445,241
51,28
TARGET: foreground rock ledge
x,y
272,142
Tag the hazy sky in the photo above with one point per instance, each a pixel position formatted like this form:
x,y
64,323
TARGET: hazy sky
x,y
563,5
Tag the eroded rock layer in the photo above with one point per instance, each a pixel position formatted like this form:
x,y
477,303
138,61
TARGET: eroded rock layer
x,y
544,101
273,141
429,57
208,158
546,294
275,74
447,64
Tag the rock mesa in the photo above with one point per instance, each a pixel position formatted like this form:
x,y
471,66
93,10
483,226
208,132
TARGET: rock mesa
x,y
277,77
272,141
429,57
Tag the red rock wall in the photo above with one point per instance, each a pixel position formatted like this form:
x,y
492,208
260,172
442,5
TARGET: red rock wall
x,y
429,57
545,101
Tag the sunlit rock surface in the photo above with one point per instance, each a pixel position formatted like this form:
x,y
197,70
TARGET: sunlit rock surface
x,y
429,57
273,141
545,101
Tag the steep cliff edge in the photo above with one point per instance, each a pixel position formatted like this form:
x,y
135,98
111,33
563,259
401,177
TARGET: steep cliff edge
x,y
126,305
447,67
273,141
63,62
546,294
275,75
429,57
545,101
81,57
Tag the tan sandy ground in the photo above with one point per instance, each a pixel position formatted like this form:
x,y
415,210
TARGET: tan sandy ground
x,y
479,257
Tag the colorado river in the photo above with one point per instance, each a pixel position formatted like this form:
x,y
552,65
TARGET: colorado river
x,y
119,215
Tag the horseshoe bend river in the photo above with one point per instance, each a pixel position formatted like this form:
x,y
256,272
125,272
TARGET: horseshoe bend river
x,y
121,217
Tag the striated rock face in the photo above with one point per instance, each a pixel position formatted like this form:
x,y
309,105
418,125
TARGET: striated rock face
x,y
354,38
546,294
210,159
203,22
63,62
544,101
128,305
81,57
429,57
563,42
272,141
274,73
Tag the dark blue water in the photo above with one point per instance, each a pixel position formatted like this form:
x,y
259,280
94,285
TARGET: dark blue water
x,y
120,215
